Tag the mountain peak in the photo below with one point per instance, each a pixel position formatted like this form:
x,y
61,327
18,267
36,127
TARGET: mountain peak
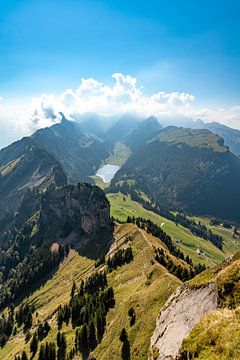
x,y
151,122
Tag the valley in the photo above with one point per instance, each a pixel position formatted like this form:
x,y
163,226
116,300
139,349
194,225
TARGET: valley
x,y
119,180
122,206
89,255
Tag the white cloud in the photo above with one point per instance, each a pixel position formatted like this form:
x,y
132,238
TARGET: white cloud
x,y
93,96
123,96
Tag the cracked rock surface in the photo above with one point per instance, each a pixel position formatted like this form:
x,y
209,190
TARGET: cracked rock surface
x,y
184,309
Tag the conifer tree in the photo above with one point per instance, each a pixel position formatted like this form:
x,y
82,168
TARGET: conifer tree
x,y
92,336
125,344
34,345
24,356
83,339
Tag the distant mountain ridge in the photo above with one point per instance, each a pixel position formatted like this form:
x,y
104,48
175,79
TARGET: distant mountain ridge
x,y
231,136
176,166
25,167
79,154
144,131
122,128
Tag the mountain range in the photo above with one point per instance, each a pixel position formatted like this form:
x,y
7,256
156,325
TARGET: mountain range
x,y
185,170
87,273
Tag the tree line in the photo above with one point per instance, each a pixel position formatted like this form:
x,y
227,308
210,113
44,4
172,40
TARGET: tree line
x,y
87,311
119,258
179,271
36,264
197,229
156,231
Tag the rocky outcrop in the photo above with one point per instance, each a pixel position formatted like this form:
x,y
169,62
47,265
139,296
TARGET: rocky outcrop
x,y
183,310
82,209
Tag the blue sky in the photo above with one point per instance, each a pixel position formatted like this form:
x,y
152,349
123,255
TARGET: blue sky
x,y
182,57
191,46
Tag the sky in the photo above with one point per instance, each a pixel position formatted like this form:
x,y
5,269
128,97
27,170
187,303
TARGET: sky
x,y
173,59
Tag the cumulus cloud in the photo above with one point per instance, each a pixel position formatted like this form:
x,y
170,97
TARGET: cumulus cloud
x,y
125,95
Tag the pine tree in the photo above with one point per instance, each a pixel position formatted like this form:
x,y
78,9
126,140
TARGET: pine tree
x,y
62,346
34,345
28,322
59,339
92,336
123,335
132,315
47,328
60,318
24,356
74,287
83,339
100,325
41,355
125,344
81,289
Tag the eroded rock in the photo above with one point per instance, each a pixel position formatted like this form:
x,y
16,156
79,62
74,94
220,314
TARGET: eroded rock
x,y
184,309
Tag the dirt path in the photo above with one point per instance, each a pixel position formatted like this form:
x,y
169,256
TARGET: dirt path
x,y
145,238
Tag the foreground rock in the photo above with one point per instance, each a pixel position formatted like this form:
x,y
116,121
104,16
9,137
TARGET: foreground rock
x,y
182,312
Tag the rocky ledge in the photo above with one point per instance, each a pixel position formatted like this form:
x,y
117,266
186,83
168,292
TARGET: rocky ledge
x,y
184,309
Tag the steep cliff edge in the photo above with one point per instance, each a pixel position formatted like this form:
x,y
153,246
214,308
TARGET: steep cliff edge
x,y
82,209
46,223
178,334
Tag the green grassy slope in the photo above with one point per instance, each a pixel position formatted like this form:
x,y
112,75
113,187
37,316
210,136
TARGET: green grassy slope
x,y
216,337
231,244
181,236
54,292
143,284
194,138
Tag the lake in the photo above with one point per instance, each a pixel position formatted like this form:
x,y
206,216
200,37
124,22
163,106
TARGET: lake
x,y
107,172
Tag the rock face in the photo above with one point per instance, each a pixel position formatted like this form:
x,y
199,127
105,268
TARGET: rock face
x,y
81,208
183,310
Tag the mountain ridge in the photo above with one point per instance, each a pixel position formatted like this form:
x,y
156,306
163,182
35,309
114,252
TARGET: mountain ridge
x,y
185,175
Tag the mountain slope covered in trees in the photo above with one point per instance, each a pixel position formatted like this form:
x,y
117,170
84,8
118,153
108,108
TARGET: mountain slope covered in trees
x,y
140,284
79,154
24,168
45,225
184,169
